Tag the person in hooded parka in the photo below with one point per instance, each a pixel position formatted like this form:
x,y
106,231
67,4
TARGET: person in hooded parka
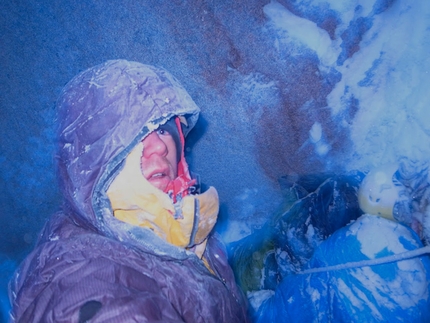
x,y
134,240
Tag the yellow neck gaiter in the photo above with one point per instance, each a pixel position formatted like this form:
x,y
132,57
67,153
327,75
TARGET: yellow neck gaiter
x,y
135,201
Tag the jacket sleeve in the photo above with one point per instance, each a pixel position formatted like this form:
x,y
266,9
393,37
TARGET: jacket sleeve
x,y
57,286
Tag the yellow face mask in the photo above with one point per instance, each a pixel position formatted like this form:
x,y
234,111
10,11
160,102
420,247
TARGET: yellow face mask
x,y
135,201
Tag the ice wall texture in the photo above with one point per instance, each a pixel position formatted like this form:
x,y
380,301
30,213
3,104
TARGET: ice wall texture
x,y
285,87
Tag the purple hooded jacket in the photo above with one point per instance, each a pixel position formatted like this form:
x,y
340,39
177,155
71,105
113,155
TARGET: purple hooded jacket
x,y
90,267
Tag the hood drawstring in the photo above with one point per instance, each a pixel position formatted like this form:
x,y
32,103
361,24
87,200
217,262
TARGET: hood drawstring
x,y
183,184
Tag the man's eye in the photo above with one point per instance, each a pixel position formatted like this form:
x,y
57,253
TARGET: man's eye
x,y
162,132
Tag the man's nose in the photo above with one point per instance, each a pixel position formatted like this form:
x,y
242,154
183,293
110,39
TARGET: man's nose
x,y
153,144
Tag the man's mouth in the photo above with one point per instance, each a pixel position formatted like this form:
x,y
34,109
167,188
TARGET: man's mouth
x,y
158,175
159,179
158,172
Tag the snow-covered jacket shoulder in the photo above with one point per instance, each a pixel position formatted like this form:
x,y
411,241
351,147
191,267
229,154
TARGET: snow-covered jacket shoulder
x,y
75,275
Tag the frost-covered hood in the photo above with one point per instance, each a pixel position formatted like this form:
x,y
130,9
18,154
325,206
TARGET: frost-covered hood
x,y
103,113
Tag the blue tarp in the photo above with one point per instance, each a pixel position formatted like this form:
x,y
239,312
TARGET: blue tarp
x,y
392,292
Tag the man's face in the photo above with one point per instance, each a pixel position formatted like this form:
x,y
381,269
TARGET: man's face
x,y
158,162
